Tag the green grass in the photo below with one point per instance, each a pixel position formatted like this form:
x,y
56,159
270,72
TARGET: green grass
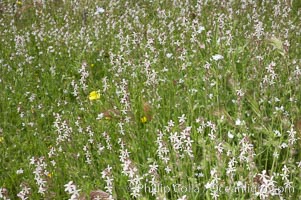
x,y
167,114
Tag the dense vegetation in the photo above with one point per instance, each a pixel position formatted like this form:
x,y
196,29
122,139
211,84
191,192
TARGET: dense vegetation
x,y
150,99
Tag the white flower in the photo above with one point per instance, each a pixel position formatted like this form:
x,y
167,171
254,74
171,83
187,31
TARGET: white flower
x,y
168,170
99,10
169,55
230,135
276,154
277,133
240,93
217,57
183,198
20,171
182,119
238,122
69,187
201,28
100,116
208,185
72,190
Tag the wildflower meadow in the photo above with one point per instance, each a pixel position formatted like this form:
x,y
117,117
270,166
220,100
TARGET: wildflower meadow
x,y
150,99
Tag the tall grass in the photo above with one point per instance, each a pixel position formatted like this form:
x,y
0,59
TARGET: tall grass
x,y
150,99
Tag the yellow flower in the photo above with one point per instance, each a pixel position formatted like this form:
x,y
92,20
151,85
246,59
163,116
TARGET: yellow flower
x,y
19,3
143,119
94,95
1,139
92,65
49,174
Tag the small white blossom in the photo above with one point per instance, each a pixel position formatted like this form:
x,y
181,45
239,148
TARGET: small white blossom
x,y
183,198
230,135
238,122
100,116
201,29
99,10
169,55
20,171
217,57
